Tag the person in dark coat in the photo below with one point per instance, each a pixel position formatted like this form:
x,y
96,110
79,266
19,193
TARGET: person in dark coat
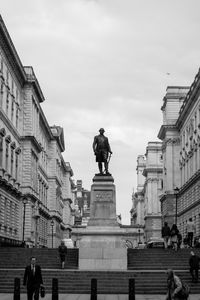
x,y
33,279
166,234
194,266
62,249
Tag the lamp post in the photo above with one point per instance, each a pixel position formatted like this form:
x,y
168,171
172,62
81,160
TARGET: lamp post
x,y
36,216
24,200
52,224
139,237
176,190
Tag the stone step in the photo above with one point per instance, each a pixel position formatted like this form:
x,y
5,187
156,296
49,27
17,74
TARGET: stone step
x,y
47,258
72,282
157,259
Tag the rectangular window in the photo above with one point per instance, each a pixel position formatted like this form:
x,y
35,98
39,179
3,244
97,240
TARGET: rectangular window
x,y
12,161
16,217
5,212
7,102
34,177
7,156
1,151
7,77
16,165
1,94
12,110
17,116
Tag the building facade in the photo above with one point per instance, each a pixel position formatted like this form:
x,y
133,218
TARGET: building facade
x,y
146,209
35,182
82,204
170,136
181,191
152,190
137,210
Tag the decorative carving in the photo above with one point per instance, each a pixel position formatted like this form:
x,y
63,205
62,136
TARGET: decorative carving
x,y
13,145
2,132
8,139
18,150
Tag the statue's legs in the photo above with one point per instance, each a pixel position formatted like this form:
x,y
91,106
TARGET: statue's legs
x,y
106,167
100,167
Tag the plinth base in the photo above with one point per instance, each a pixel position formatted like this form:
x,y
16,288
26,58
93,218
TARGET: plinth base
x,y
102,248
102,258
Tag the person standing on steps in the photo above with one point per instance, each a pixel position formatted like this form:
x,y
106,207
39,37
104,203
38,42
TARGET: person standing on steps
x,y
33,279
190,232
166,234
62,249
101,148
194,266
174,237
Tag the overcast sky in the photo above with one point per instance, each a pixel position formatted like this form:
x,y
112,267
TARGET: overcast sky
x,y
106,63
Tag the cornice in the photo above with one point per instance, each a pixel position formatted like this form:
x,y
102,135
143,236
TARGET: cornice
x,y
189,101
33,140
193,205
165,128
9,125
11,53
189,183
32,79
155,169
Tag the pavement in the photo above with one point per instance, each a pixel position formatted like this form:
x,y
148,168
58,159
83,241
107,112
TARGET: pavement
x,y
99,297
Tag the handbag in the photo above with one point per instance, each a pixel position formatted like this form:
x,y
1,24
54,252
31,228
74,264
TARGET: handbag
x,y
185,291
42,291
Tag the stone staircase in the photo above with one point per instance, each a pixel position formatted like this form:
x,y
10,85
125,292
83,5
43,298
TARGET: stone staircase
x,y
12,258
159,259
147,266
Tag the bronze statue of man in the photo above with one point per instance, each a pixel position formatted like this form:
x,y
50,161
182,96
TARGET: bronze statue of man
x,y
102,149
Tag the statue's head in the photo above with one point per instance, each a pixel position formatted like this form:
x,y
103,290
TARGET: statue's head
x,y
101,130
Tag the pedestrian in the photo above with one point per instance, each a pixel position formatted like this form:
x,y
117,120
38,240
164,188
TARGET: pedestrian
x,y
33,279
194,266
166,234
190,232
179,238
62,249
174,237
176,290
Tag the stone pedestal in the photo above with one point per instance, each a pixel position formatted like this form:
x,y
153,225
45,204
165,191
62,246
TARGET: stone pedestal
x,y
103,202
101,246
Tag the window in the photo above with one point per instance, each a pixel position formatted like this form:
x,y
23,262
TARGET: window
x,y
12,161
17,116
7,102
17,152
34,177
7,156
1,94
1,151
12,110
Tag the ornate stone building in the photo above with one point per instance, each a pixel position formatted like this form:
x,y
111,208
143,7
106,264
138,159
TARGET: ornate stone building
x,y
170,135
153,189
35,182
137,210
82,204
181,149
146,208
